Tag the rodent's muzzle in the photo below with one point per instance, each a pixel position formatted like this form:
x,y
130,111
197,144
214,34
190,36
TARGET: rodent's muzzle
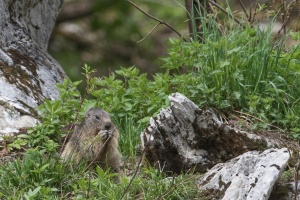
x,y
105,130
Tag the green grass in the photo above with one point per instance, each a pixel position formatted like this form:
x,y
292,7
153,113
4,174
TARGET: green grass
x,y
129,136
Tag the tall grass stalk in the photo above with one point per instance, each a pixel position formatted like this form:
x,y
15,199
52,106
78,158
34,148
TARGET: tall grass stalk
x,y
130,132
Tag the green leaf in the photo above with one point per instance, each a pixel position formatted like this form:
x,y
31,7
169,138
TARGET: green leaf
x,y
236,95
216,72
295,35
234,50
225,63
25,135
76,83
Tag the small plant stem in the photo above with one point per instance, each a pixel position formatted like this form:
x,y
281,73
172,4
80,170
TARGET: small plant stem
x,y
87,89
194,21
296,179
89,188
173,187
134,175
73,124
156,19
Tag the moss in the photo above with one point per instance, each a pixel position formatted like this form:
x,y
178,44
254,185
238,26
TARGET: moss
x,y
32,111
280,191
212,194
22,78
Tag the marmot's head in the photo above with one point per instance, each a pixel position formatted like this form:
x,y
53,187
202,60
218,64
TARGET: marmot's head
x,y
98,121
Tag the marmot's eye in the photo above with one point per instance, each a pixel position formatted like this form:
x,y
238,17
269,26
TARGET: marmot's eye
x,y
97,117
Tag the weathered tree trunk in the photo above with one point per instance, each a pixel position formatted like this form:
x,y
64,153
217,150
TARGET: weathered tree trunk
x,y
183,137
28,74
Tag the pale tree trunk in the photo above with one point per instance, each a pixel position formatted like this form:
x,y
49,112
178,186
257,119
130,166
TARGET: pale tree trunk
x,y
28,74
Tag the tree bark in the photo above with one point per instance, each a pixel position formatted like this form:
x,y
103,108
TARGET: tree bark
x,y
28,74
185,138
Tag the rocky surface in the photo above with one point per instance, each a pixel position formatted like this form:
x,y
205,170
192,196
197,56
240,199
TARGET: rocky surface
x,y
28,74
249,176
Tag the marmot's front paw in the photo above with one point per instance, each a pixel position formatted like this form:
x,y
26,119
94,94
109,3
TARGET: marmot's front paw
x,y
105,134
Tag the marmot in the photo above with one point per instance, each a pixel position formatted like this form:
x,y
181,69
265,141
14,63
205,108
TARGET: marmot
x,y
95,140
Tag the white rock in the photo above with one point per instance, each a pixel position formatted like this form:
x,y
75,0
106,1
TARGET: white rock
x,y
5,58
12,120
250,176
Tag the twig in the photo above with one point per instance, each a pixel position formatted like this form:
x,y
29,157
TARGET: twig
x,y
285,15
87,89
217,18
250,9
88,74
148,33
255,12
156,19
245,11
223,10
73,124
134,175
213,10
69,132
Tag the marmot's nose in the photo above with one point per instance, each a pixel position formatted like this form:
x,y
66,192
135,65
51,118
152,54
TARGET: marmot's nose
x,y
107,126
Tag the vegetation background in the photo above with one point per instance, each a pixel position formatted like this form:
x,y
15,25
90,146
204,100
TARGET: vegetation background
x,y
246,65
107,34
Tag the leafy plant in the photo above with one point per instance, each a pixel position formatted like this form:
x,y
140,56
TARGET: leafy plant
x,y
35,173
242,69
132,94
56,115
17,144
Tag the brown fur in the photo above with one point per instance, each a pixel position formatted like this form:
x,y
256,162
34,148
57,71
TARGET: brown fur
x,y
95,140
